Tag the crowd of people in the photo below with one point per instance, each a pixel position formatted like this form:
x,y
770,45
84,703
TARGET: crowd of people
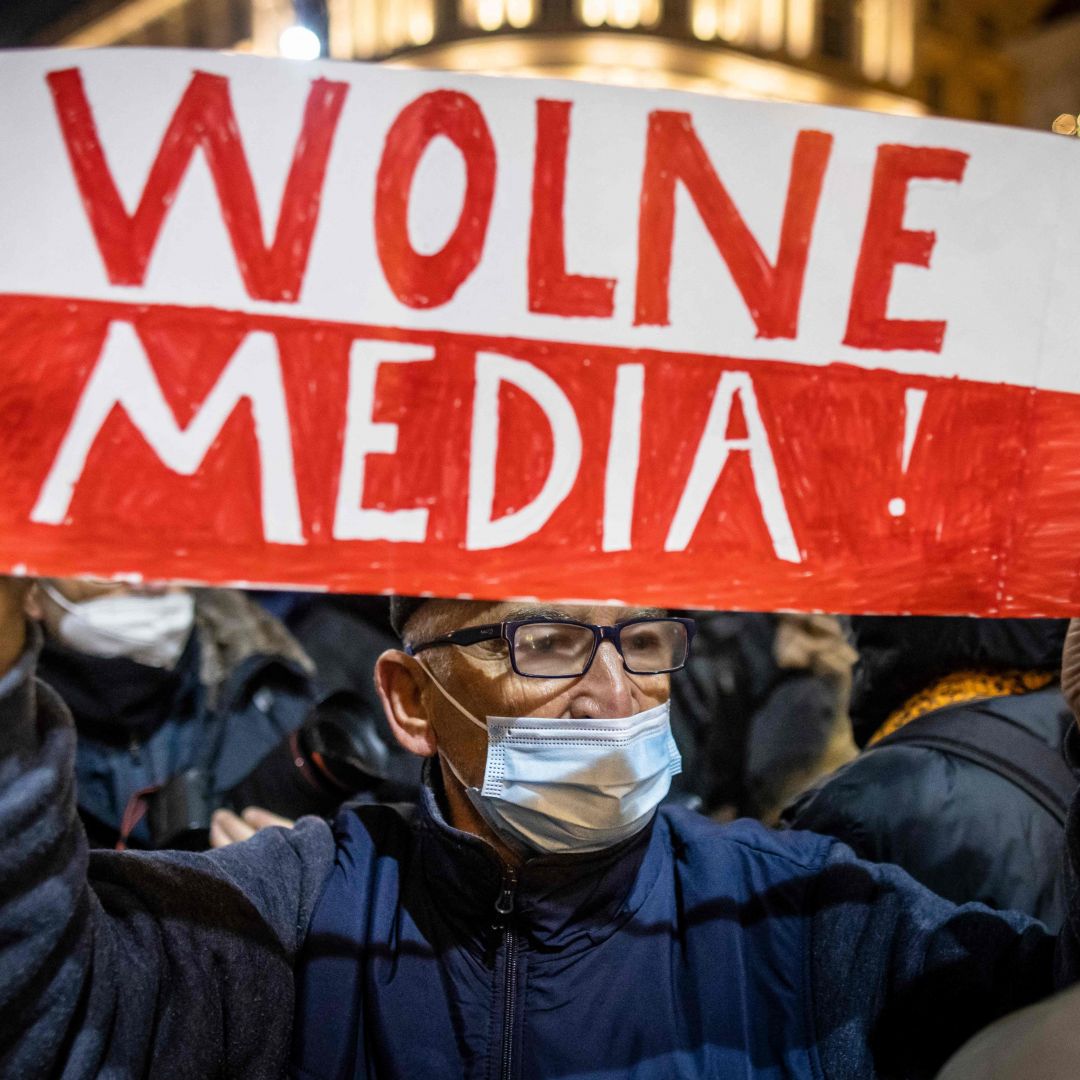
x,y
526,840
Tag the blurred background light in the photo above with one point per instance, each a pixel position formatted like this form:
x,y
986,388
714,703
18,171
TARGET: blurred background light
x,y
299,43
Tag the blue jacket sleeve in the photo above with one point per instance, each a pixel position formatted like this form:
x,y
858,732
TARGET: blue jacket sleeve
x,y
163,965
901,978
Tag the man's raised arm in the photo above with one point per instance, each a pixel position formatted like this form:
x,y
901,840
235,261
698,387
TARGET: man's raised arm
x,y
133,964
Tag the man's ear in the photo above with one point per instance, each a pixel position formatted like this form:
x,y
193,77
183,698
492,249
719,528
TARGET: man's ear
x,y
399,682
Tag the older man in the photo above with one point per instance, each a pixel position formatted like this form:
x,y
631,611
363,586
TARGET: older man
x,y
535,916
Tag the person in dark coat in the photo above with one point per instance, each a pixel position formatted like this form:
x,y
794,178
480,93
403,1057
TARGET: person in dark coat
x,y
966,778
1041,1042
178,696
537,918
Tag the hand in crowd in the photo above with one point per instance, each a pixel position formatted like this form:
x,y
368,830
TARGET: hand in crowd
x,y
229,828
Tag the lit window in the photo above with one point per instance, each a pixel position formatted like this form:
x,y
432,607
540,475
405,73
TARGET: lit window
x,y
756,23
368,28
498,14
800,27
622,14
901,41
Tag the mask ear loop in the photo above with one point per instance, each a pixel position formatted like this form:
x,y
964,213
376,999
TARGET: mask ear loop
x,y
72,609
57,597
472,793
450,697
461,709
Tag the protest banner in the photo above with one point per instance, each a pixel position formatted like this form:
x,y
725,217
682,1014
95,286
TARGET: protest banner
x,y
339,326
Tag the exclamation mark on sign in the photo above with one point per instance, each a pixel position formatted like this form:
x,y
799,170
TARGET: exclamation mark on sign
x,y
914,400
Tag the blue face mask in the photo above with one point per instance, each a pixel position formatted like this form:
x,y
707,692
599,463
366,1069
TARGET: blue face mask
x,y
560,786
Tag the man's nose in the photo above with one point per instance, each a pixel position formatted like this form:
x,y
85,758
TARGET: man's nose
x,y
605,689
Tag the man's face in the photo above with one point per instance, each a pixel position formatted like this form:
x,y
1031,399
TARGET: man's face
x,y
481,678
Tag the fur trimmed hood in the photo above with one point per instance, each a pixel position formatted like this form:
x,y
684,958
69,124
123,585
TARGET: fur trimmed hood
x,y
233,628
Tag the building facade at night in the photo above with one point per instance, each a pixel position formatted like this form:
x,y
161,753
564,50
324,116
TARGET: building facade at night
x,y
950,57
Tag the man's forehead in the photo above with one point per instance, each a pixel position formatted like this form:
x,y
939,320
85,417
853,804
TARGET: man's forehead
x,y
506,611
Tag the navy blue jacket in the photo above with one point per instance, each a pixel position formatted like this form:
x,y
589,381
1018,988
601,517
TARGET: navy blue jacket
x,y
694,950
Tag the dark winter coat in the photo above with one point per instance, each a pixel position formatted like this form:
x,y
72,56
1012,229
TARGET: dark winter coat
x,y
694,950
964,829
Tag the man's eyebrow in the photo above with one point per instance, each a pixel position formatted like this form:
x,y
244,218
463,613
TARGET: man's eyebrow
x,y
649,613
534,612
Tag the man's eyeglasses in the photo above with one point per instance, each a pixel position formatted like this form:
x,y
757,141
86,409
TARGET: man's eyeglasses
x,y
565,649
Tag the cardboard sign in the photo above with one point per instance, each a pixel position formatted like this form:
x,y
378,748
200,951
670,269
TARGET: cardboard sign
x,y
344,327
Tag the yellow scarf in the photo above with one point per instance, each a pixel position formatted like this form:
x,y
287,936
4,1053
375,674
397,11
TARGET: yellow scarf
x,y
963,686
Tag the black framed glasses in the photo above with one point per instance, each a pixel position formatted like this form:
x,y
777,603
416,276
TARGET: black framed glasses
x,y
565,649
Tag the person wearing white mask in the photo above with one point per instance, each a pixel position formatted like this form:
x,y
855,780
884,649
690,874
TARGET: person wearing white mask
x,y
150,626
165,682
539,914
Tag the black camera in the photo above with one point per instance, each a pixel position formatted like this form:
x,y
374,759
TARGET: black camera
x,y
335,755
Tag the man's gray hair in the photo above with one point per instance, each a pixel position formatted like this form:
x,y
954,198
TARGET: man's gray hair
x,y
402,609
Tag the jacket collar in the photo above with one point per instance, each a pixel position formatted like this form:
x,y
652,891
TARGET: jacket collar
x,y
560,902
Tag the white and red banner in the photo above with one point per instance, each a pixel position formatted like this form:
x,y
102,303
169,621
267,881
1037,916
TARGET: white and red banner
x,y
336,326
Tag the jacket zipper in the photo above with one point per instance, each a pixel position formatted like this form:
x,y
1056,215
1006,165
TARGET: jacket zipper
x,y
504,908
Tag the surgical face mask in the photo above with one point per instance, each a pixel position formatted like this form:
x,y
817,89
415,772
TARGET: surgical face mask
x,y
151,630
560,786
